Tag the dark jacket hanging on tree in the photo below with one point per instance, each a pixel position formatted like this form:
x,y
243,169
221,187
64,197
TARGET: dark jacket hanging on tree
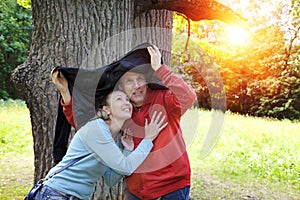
x,y
86,85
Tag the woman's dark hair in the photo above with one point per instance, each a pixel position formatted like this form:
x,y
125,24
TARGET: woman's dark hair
x,y
99,103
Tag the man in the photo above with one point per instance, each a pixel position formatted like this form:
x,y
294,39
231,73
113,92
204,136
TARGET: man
x,y
165,174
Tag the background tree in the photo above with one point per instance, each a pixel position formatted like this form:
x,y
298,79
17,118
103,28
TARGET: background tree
x,y
282,98
260,71
15,38
73,33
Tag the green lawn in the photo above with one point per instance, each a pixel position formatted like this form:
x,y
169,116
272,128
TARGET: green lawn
x,y
254,158
16,150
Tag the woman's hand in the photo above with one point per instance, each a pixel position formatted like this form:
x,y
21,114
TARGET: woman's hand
x,y
62,85
127,140
155,57
156,125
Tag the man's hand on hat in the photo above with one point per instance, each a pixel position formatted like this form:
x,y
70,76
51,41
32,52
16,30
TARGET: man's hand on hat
x,y
155,57
62,85
60,81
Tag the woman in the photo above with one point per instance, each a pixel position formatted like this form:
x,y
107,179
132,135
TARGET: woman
x,y
98,140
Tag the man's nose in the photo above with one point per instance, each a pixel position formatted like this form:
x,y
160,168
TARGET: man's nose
x,y
136,84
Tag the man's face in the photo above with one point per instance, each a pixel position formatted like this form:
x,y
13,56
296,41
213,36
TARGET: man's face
x,y
135,86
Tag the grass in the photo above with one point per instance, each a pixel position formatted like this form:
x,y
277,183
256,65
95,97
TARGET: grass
x,y
16,151
15,128
254,158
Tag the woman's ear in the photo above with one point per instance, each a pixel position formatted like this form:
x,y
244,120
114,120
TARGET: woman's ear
x,y
107,109
120,87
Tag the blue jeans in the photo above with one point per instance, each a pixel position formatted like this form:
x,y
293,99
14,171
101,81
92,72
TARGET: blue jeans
x,y
180,194
51,194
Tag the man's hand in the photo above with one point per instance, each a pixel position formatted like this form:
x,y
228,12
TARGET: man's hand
x,y
155,57
62,85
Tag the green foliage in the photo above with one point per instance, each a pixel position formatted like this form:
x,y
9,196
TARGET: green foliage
x,y
278,94
197,68
280,99
260,75
25,3
15,38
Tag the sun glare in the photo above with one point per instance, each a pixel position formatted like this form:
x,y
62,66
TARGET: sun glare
x,y
237,35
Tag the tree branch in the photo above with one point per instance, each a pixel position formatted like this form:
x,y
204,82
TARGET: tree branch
x,y
196,10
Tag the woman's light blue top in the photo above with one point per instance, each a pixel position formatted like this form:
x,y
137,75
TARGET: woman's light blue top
x,y
104,158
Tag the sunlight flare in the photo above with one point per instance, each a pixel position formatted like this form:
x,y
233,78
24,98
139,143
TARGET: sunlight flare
x,y
237,35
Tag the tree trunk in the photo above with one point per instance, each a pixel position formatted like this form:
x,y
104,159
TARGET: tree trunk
x,y
86,34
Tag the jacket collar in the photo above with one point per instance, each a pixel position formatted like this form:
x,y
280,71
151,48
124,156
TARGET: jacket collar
x,y
149,98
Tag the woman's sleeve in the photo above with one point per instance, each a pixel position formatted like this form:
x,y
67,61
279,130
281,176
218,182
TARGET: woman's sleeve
x,y
111,177
97,137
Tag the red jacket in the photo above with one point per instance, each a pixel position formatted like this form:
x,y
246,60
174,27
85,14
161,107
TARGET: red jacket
x,y
68,111
167,167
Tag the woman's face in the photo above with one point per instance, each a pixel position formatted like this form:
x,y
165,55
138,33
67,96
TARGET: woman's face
x,y
119,106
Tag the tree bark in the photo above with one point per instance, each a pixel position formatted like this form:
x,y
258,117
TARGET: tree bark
x,y
85,34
